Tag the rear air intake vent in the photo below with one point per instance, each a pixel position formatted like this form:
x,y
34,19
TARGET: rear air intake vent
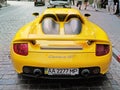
x,y
61,17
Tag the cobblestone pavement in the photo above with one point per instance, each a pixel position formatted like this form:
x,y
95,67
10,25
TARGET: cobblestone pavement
x,y
18,14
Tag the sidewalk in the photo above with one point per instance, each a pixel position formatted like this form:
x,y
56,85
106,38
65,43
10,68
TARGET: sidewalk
x,y
110,23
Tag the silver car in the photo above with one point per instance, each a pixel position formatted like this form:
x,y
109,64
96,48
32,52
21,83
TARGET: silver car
x,y
56,2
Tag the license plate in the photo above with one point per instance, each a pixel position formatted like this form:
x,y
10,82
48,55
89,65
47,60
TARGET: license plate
x,y
56,71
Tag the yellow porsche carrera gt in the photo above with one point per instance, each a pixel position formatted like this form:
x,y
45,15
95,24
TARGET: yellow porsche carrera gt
x,y
61,42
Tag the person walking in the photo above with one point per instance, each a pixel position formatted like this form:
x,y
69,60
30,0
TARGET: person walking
x,y
116,2
96,5
79,4
85,3
110,6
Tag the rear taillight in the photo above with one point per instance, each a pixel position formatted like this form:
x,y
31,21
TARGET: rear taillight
x,y
102,49
21,48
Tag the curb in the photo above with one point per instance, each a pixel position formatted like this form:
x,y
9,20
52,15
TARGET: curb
x,y
116,54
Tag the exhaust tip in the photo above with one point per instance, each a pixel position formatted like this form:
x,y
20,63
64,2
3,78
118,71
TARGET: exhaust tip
x,y
37,72
85,72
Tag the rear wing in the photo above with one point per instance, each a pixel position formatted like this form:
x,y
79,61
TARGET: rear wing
x,y
33,37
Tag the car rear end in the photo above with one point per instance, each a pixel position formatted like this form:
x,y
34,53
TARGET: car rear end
x,y
72,50
62,57
56,58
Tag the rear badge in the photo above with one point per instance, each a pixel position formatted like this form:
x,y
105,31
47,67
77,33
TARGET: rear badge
x,y
70,56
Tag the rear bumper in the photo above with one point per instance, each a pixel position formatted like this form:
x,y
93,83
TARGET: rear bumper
x,y
94,72
61,60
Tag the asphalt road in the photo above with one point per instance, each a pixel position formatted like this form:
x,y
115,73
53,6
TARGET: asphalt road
x,y
19,13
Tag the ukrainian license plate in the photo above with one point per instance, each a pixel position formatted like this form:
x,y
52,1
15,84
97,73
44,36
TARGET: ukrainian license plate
x,y
56,71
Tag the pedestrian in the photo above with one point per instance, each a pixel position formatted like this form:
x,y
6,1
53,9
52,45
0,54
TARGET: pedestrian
x,y
96,5
116,2
79,4
110,6
86,4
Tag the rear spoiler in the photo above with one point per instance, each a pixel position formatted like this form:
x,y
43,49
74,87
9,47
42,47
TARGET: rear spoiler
x,y
61,39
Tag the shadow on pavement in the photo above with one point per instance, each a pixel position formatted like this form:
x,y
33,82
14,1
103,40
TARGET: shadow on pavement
x,y
58,84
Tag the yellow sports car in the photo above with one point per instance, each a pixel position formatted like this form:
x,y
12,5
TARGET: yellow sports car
x,y
61,42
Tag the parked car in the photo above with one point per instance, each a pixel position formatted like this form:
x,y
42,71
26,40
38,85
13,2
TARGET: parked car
x,y
39,2
61,42
59,2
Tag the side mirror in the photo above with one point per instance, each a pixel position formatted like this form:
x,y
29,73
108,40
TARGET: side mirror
x,y
36,14
87,15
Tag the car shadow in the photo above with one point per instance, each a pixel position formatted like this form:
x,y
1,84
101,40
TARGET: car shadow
x,y
60,84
